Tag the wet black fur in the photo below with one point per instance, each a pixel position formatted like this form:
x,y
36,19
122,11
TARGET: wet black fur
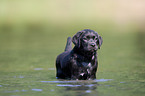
x,y
81,61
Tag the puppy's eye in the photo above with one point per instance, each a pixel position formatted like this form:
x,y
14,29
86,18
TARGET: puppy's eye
x,y
96,38
93,37
84,38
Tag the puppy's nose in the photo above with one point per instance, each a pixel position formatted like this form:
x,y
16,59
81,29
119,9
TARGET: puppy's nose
x,y
93,45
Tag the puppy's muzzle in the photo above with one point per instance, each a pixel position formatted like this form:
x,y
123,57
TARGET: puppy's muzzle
x,y
93,44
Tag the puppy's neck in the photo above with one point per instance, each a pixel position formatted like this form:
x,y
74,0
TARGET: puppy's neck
x,y
86,54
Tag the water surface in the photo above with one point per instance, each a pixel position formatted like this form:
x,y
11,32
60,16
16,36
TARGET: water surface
x,y
27,67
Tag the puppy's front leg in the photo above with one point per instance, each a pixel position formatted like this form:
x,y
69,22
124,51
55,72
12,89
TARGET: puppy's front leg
x,y
75,72
93,72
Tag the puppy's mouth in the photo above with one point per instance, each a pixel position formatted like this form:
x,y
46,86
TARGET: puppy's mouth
x,y
92,49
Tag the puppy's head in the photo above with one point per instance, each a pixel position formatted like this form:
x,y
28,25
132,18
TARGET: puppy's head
x,y
88,40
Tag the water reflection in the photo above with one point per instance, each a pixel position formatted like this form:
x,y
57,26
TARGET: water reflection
x,y
74,81
81,87
37,90
38,68
68,85
23,90
19,76
14,91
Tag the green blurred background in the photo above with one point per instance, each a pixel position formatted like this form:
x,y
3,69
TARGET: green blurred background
x,y
34,32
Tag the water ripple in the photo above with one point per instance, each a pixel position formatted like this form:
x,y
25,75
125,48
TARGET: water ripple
x,y
73,81
67,85
37,90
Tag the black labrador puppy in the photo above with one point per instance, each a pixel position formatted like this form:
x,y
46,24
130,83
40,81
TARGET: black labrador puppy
x,y
79,63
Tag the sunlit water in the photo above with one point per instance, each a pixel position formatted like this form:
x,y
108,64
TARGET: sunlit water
x,y
38,84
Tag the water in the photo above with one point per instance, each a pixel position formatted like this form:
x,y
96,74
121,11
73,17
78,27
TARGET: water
x,y
27,67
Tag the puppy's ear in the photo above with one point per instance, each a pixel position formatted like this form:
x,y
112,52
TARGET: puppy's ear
x,y
76,38
100,41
